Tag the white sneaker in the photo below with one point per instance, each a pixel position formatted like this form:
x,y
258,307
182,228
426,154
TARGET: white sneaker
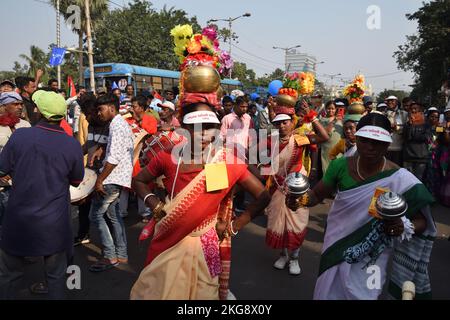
x,y
281,262
294,267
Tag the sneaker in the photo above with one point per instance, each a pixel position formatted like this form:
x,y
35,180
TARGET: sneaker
x,y
294,267
281,262
81,240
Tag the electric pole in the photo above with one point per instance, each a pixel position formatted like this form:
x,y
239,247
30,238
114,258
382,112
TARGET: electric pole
x,y
89,41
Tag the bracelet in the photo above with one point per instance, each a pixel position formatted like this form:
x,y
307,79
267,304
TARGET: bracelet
x,y
231,229
148,195
157,211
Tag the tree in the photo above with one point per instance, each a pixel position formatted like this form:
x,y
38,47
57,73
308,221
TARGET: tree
x,y
266,79
140,35
400,94
426,53
37,59
246,76
98,9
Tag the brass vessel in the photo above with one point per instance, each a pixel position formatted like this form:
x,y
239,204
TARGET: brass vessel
x,y
202,79
356,108
285,100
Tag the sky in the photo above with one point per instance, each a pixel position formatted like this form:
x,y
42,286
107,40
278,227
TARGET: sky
x,y
335,31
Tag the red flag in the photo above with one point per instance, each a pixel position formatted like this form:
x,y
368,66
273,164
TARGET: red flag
x,y
72,91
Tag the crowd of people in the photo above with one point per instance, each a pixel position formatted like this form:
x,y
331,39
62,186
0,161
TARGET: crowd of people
x,y
192,203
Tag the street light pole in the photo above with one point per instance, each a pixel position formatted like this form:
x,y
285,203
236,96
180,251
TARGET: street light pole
x,y
286,66
230,28
89,41
58,41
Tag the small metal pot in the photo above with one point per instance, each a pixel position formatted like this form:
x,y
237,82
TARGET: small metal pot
x,y
390,205
296,184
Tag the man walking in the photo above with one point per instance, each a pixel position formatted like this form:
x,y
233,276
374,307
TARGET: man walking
x,y
116,174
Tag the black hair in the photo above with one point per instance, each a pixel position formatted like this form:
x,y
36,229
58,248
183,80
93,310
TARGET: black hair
x,y
21,82
49,82
375,119
406,100
227,99
61,90
129,85
241,100
329,103
88,103
79,87
109,99
421,107
141,101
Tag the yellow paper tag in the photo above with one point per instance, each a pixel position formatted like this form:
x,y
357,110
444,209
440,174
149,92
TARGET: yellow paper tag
x,y
301,140
372,209
216,176
439,129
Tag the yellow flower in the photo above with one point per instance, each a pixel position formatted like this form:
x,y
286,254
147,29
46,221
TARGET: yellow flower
x,y
181,34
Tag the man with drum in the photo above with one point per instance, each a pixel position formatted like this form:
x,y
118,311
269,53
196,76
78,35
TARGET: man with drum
x,y
42,162
115,175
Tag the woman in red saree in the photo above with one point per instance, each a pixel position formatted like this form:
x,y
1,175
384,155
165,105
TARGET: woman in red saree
x,y
189,255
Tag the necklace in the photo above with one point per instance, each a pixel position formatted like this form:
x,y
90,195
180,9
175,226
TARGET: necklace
x,y
359,173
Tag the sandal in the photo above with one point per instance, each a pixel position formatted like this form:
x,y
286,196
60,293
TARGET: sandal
x,y
39,288
103,265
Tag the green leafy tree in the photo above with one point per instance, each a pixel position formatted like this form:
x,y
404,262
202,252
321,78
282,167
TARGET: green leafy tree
x,y
427,53
140,35
243,74
36,59
400,94
268,78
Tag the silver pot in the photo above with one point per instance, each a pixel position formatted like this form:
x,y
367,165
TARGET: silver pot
x,y
296,184
391,205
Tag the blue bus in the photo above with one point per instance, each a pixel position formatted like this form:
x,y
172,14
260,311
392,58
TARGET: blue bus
x,y
141,78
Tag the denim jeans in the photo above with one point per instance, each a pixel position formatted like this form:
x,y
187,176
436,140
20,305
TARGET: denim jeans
x,y
100,205
12,271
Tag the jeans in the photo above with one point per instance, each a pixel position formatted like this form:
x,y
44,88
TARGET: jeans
x,y
12,270
100,205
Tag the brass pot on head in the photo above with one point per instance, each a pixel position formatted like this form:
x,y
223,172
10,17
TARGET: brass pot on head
x,y
285,100
356,108
202,79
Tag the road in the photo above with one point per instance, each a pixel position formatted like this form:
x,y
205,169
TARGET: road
x,y
252,273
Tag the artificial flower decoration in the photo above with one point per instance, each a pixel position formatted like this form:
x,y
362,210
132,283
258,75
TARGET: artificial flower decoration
x,y
200,49
307,81
355,90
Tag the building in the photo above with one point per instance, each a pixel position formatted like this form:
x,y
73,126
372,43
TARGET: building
x,y
300,62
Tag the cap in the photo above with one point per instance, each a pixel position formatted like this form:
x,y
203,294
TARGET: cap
x,y
167,104
9,97
340,104
374,133
102,90
392,98
381,105
50,104
281,117
367,100
200,117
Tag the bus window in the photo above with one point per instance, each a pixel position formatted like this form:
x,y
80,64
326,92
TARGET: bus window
x,y
142,83
157,83
167,83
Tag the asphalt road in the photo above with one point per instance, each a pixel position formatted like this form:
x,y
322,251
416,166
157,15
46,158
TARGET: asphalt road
x,y
252,273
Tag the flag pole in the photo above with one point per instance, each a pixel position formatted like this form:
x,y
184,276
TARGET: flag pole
x,y
58,40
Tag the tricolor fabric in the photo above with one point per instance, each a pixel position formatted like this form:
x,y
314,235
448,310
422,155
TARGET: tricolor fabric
x,y
374,133
71,85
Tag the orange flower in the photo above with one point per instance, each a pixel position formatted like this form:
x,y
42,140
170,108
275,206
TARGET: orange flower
x,y
194,47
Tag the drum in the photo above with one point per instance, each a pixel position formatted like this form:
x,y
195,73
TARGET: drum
x,y
161,141
85,188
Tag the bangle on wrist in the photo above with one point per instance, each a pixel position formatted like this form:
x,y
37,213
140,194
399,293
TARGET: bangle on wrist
x,y
146,197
